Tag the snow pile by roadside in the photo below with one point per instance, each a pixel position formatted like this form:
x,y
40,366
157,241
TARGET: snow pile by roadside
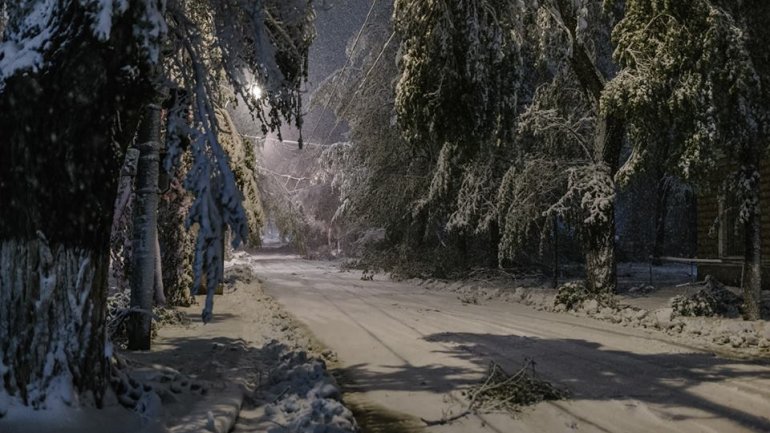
x,y
296,393
719,331
710,315
248,371
736,333
302,397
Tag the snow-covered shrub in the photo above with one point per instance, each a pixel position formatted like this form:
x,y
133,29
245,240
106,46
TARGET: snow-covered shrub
x,y
118,306
575,293
238,273
712,300
301,397
572,294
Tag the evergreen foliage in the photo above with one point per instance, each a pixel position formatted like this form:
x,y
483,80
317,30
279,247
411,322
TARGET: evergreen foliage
x,y
695,86
457,94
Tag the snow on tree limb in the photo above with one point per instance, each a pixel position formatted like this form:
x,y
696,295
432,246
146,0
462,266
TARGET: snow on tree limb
x,y
589,196
689,85
35,28
237,43
199,47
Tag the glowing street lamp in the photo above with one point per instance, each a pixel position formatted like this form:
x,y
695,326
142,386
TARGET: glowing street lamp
x,y
256,91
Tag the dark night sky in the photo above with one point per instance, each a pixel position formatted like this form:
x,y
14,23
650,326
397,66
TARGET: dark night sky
x,y
334,28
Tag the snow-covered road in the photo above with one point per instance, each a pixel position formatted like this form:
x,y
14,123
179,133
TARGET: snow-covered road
x,y
411,351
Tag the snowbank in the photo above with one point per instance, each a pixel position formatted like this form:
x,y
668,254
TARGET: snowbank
x,y
727,335
301,397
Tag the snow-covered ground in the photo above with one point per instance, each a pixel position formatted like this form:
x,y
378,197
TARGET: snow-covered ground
x,y
409,350
406,351
640,304
253,343
253,369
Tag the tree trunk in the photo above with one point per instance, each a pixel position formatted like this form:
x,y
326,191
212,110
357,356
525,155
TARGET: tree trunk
x,y
752,285
52,313
599,244
160,293
64,132
122,223
601,261
145,244
661,211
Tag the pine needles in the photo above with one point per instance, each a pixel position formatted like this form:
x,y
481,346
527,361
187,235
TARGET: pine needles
x,y
501,391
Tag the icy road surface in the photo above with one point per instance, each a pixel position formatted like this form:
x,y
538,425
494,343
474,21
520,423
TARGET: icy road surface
x,y
412,351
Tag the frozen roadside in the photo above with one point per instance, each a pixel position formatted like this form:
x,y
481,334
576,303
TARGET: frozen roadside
x,y
263,372
640,306
252,369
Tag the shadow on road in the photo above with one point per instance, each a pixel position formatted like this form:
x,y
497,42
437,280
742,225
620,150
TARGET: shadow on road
x,y
589,372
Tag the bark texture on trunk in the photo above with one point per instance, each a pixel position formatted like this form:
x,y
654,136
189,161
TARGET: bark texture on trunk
x,y
64,130
145,243
599,245
160,293
52,312
752,283
601,261
122,223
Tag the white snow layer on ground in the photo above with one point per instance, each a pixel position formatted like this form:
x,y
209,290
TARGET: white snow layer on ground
x,y
255,351
165,402
642,306
302,398
113,419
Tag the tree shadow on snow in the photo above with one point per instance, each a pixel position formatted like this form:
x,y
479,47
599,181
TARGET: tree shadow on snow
x,y
212,358
585,370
